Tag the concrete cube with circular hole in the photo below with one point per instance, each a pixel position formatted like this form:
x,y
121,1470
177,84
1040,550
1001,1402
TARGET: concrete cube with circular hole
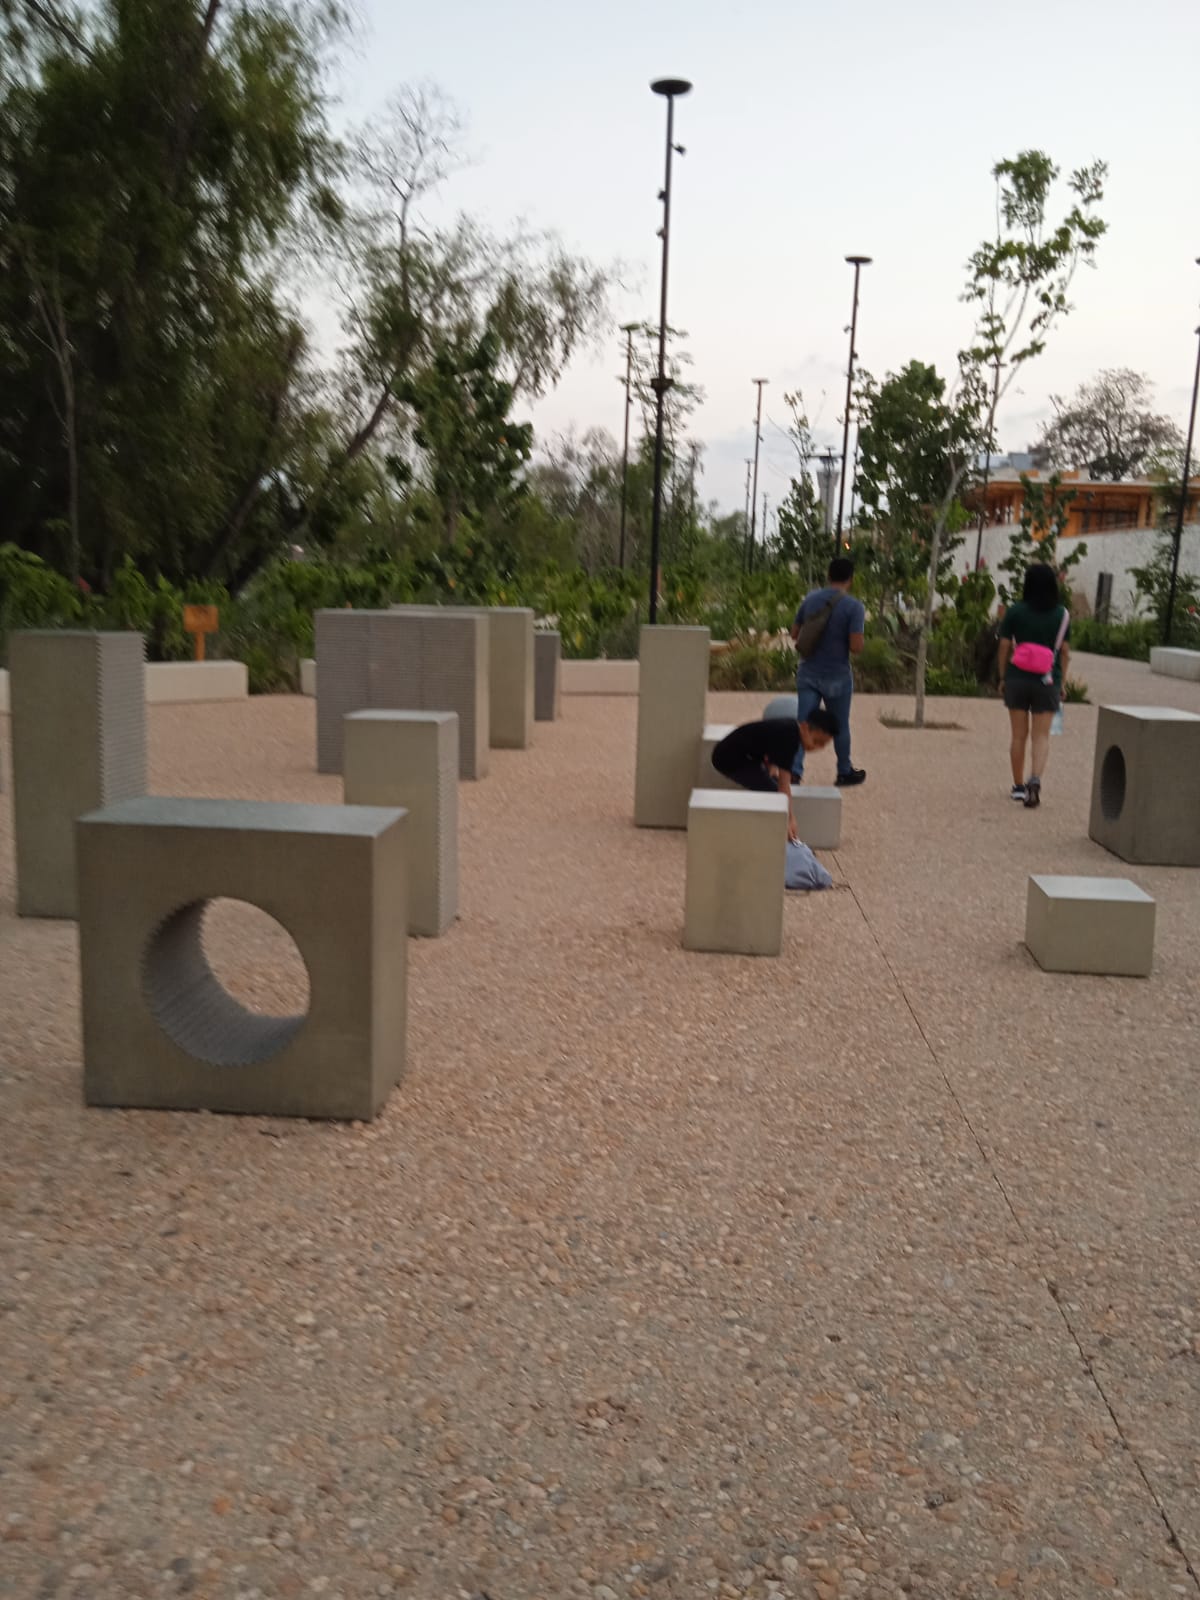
x,y
1146,785
161,1030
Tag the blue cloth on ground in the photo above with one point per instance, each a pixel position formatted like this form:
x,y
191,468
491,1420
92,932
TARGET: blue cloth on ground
x,y
802,870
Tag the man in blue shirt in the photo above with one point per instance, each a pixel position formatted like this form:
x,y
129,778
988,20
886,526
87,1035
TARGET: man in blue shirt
x,y
824,676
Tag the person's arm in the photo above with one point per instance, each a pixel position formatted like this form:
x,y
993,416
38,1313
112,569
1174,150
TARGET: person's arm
x,y
796,623
858,625
784,779
1002,655
1064,655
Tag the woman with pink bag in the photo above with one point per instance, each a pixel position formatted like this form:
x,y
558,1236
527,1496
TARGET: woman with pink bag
x,y
1033,664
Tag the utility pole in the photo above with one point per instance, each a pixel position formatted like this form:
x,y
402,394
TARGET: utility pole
x,y
628,329
1185,485
754,491
857,262
692,475
764,537
749,464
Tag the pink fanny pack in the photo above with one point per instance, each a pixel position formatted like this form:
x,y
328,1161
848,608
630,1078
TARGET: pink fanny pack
x,y
1037,658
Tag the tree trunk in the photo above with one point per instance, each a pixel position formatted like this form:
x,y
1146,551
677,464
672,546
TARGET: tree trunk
x,y
935,551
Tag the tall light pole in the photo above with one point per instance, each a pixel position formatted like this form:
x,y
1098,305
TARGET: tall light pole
x,y
749,465
754,491
628,329
669,88
858,263
1181,511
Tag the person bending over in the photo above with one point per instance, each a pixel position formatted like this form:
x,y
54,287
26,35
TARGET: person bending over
x,y
759,755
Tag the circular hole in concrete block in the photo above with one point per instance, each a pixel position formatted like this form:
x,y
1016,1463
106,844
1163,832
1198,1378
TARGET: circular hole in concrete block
x,y
1112,783
226,982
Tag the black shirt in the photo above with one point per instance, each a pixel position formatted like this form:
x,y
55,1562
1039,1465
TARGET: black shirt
x,y
775,740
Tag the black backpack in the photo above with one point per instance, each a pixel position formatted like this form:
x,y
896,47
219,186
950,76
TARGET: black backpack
x,y
812,629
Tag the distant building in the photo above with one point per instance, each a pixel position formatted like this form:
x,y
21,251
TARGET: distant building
x,y
1097,507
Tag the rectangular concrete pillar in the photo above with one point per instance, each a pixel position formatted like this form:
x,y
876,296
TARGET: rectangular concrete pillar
x,y
707,776
818,814
672,688
1146,785
418,658
409,759
512,677
160,1028
736,853
79,742
1101,925
547,676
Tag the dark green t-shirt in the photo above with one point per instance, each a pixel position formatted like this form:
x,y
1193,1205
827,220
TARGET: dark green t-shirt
x,y
1023,625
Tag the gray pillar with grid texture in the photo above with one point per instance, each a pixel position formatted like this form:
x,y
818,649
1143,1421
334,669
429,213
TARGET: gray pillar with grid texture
x,y
547,676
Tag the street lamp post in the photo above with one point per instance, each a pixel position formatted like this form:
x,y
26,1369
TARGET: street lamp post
x,y
628,329
669,88
754,490
858,263
1181,510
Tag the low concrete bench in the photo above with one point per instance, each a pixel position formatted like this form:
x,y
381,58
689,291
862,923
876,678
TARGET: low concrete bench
x,y
736,847
1173,663
160,1029
1099,925
409,759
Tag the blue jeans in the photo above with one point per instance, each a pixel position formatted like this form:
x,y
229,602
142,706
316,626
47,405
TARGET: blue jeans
x,y
835,693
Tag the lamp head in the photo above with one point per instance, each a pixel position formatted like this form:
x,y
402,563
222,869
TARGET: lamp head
x,y
859,261
671,86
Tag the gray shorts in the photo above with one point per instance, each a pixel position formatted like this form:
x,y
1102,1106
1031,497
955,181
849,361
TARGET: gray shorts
x,y
1028,693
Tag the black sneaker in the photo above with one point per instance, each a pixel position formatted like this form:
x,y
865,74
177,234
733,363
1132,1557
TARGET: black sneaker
x,y
1017,792
1033,793
847,780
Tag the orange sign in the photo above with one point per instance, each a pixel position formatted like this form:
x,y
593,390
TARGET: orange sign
x,y
199,620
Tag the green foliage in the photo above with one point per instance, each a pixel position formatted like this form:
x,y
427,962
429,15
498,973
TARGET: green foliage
x,y
1075,692
1045,511
1153,587
1108,428
1132,641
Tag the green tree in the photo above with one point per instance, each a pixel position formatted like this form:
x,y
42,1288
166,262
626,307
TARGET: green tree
x,y
1109,428
154,158
1020,281
1045,510
473,451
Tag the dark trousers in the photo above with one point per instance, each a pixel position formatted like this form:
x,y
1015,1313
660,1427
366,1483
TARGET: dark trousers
x,y
746,774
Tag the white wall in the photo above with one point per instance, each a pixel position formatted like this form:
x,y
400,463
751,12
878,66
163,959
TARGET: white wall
x,y
1115,552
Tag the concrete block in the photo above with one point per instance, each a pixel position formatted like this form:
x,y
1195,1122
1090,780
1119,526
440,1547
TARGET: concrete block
x,y
511,672
736,849
1146,785
547,676
818,814
783,705
707,776
78,742
4,698
308,679
1101,925
1172,663
672,688
406,659
600,677
161,1031
195,682
409,760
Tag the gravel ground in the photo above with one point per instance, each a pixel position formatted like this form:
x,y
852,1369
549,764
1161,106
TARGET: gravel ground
x,y
866,1272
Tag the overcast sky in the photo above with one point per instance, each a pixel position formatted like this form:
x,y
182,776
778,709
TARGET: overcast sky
x,y
813,133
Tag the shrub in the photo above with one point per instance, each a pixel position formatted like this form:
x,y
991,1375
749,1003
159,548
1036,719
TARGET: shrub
x,y
751,666
1075,692
1132,640
880,668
